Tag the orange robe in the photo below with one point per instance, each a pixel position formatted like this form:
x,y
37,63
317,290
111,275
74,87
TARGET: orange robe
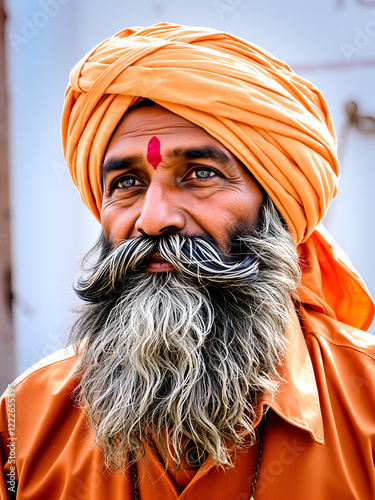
x,y
319,441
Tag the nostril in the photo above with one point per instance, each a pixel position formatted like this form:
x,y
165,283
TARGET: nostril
x,y
166,229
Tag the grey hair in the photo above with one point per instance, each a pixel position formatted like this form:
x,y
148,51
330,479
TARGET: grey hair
x,y
183,356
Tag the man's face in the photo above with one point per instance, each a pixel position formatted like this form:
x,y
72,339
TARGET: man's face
x,y
161,174
178,357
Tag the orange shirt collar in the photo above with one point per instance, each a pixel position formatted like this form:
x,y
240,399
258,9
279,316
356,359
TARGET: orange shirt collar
x,y
298,400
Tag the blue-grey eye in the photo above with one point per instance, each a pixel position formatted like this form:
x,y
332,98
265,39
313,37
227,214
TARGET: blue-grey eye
x,y
204,173
126,183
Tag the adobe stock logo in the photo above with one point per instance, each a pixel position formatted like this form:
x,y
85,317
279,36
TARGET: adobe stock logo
x,y
222,7
289,453
361,39
31,27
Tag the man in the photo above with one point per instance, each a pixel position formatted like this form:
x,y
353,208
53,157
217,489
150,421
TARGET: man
x,y
218,354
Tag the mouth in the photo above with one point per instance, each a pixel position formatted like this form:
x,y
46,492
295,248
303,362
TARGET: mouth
x,y
156,264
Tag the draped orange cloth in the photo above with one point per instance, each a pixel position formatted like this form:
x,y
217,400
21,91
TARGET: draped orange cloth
x,y
276,123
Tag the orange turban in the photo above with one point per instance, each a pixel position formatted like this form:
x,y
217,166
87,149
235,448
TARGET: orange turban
x,y
277,124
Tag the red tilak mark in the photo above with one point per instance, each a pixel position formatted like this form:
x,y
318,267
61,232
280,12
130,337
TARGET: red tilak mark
x,y
153,152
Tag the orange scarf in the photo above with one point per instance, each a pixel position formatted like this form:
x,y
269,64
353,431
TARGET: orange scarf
x,y
276,123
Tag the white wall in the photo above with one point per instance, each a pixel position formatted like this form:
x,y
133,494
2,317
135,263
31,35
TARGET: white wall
x,y
331,42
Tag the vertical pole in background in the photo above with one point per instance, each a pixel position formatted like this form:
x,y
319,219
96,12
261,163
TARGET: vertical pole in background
x,y
7,356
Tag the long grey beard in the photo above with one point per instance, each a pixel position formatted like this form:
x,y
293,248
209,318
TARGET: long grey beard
x,y
184,355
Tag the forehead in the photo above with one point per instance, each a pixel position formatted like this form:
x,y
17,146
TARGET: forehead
x,y
141,124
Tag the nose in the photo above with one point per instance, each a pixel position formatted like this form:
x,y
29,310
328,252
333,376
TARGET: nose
x,y
160,213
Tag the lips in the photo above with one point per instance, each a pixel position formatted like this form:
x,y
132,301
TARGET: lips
x,y
156,264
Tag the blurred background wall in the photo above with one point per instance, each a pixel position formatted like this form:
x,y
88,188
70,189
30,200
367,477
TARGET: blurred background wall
x,y
330,42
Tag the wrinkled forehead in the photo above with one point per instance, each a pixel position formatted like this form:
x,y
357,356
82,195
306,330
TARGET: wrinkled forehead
x,y
150,123
150,119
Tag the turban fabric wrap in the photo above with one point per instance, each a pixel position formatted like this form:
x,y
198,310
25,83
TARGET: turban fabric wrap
x,y
276,123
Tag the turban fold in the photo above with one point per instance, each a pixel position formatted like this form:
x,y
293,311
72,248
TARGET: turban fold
x,y
276,123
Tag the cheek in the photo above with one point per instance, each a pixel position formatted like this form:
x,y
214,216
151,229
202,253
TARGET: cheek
x,y
250,204
243,211
116,223
253,211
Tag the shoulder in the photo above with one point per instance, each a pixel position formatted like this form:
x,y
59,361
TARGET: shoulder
x,y
334,335
344,364
55,368
49,381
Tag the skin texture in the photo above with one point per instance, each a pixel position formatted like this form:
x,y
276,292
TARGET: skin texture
x,y
193,195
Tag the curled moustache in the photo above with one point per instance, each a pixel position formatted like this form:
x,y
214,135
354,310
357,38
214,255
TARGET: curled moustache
x,y
195,258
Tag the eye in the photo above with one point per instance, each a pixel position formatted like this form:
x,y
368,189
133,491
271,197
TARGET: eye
x,y
202,173
124,183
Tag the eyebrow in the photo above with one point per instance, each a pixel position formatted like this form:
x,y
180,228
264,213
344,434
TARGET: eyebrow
x,y
204,153
118,164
